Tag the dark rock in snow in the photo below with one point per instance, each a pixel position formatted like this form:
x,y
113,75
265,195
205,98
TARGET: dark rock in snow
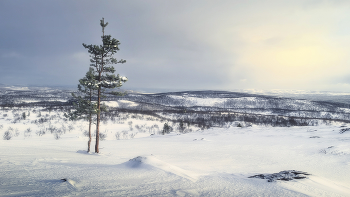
x,y
286,175
343,130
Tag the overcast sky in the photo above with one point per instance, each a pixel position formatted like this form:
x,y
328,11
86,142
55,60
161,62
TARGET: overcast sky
x,y
181,44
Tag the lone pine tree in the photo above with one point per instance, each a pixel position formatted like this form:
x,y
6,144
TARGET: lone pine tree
x,y
101,61
84,106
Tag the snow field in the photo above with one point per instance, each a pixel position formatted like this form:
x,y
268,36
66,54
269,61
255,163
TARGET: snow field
x,y
214,162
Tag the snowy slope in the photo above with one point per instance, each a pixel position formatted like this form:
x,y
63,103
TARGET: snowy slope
x,y
214,162
135,160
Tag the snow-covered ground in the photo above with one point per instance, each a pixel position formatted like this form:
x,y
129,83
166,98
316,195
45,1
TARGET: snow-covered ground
x,y
119,103
213,162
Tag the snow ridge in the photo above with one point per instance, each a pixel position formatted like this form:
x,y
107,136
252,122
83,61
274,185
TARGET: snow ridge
x,y
152,161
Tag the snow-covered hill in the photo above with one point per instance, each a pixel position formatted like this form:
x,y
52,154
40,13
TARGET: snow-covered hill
x,y
213,154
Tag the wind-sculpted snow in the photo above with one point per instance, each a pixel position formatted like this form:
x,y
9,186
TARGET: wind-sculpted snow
x,y
214,162
153,162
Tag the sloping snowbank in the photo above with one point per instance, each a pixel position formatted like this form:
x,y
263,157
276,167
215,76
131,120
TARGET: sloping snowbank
x,y
179,165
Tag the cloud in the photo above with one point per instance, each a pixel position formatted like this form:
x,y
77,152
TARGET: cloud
x,y
288,46
183,44
10,55
81,56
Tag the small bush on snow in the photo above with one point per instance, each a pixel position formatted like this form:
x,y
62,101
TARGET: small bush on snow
x,y
7,135
24,115
70,128
57,136
125,134
63,128
132,135
103,136
41,132
27,132
117,135
10,133
86,133
52,129
16,132
166,129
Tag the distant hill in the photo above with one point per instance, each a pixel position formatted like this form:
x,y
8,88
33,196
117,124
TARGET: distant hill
x,y
208,101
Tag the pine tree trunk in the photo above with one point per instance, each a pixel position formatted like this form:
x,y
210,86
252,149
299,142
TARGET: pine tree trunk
x,y
98,118
89,142
99,98
90,121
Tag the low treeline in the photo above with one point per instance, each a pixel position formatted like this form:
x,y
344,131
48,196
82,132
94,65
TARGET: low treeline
x,y
207,120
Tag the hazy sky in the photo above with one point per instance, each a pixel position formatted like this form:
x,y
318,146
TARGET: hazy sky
x,y
181,44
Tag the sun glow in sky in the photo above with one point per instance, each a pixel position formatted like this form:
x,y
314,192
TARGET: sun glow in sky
x,y
183,45
293,47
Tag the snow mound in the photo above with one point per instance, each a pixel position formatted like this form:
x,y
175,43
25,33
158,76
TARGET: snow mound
x,y
286,175
70,182
153,162
82,152
336,150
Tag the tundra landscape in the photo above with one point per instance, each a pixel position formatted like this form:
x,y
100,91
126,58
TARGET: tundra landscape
x,y
175,98
218,144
